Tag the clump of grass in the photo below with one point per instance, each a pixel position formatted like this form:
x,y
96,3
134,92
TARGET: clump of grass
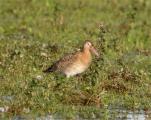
x,y
125,75
82,98
116,85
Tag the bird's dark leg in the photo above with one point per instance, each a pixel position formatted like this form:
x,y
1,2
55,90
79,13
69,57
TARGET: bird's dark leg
x,y
77,75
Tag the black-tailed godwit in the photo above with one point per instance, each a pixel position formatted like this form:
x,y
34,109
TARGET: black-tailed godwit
x,y
76,63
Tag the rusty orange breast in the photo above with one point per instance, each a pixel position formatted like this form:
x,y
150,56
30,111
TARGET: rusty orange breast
x,y
86,57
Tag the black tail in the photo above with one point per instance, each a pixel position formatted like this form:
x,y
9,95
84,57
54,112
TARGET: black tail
x,y
50,69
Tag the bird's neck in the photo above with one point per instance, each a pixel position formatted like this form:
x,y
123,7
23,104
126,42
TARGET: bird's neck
x,y
86,55
86,51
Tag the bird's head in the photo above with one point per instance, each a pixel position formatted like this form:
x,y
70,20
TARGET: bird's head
x,y
89,46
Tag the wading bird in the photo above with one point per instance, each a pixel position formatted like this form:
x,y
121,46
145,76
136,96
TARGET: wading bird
x,y
76,63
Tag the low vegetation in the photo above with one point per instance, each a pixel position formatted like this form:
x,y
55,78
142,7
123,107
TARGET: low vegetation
x,y
33,34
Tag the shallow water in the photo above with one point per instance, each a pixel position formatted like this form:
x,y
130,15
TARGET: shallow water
x,y
109,114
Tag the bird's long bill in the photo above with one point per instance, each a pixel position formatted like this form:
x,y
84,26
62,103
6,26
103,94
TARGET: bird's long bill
x,y
95,51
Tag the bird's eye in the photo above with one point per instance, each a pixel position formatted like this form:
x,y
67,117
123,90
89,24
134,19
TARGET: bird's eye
x,y
89,43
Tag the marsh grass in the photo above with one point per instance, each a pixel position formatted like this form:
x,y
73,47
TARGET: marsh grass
x,y
33,34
